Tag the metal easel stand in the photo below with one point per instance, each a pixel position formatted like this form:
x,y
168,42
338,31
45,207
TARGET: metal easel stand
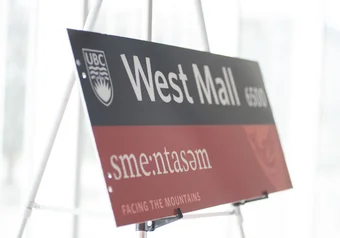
x,y
90,21
143,228
30,205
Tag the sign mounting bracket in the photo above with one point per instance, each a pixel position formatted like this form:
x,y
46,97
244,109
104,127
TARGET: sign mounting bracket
x,y
264,196
153,225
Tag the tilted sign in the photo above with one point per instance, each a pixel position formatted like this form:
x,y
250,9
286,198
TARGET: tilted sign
x,y
176,128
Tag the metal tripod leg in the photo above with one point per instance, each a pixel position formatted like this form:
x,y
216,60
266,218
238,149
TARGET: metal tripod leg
x,y
143,234
237,211
90,21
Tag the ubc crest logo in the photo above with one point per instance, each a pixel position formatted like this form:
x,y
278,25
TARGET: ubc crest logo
x,y
99,75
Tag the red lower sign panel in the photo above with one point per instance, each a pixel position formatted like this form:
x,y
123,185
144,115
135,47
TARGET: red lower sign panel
x,y
152,170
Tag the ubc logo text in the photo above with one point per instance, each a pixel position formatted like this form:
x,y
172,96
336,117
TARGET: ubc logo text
x,y
99,75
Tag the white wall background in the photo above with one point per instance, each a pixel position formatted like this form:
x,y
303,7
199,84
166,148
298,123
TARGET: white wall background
x,y
297,43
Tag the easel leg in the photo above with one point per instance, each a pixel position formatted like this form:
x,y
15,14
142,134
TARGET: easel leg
x,y
237,209
203,26
143,234
239,217
90,21
149,26
77,184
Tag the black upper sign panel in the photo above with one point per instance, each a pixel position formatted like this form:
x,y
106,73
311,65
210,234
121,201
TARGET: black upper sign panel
x,y
134,82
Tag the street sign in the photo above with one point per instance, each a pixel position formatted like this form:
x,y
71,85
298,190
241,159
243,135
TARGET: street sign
x,y
176,128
